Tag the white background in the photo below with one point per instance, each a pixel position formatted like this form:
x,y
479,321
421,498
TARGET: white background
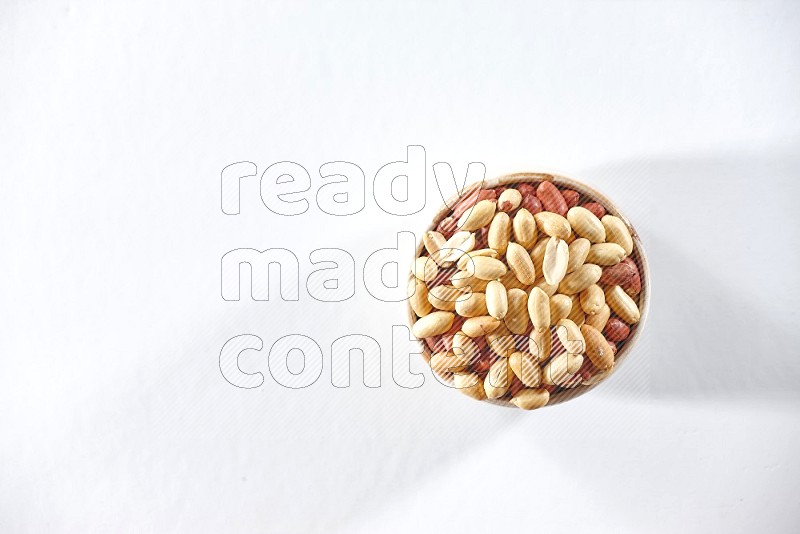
x,y
116,119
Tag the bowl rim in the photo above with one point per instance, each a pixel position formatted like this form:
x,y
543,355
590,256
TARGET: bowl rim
x,y
611,208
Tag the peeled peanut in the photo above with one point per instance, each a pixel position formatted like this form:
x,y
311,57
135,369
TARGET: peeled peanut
x,y
509,200
557,370
432,324
539,344
605,254
463,280
623,305
516,319
479,216
455,247
586,224
595,208
444,297
539,309
584,276
549,289
447,362
524,226
553,224
418,297
425,268
574,363
597,348
501,344
598,377
497,379
520,263
573,381
617,232
468,201
471,305
576,314
500,331
499,232
511,281
470,384
464,262
530,399
560,306
537,254
570,336
446,227
433,241
479,326
599,319
578,250
592,299
464,347
487,268
526,367
496,299
554,263
501,341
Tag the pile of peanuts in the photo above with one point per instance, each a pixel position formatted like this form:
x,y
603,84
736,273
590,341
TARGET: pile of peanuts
x,y
525,291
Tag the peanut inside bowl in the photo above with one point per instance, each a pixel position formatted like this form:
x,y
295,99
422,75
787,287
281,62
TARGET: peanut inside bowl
x,y
529,291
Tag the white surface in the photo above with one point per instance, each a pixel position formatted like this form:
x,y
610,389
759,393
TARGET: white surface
x,y
115,123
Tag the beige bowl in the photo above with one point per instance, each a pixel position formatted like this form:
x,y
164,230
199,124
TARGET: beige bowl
x,y
638,256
